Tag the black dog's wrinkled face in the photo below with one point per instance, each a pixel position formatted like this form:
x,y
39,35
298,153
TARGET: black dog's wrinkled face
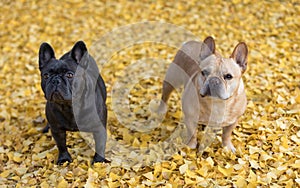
x,y
57,74
57,77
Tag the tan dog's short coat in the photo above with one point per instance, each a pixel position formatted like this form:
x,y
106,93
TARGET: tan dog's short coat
x,y
213,87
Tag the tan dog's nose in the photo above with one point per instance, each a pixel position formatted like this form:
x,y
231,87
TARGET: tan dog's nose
x,y
213,87
214,81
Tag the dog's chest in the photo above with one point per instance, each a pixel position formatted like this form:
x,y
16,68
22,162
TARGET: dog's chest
x,y
214,112
61,117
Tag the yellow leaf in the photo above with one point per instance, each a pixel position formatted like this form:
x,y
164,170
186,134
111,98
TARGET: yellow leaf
x,y
236,1
289,183
210,161
298,99
177,157
250,104
62,184
284,141
166,174
157,170
18,157
254,164
92,177
16,178
203,171
252,179
296,164
136,143
126,136
183,168
188,181
114,184
241,182
21,171
190,174
114,176
149,176
132,181
44,184
265,157
253,150
177,114
225,171
5,174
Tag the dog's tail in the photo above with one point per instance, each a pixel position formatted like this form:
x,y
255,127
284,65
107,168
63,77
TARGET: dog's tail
x,y
166,92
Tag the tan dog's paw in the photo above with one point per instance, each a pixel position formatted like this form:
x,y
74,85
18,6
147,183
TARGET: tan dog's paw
x,y
192,144
162,109
229,146
157,107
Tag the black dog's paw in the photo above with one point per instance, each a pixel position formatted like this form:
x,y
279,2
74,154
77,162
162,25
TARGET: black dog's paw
x,y
99,159
46,128
64,157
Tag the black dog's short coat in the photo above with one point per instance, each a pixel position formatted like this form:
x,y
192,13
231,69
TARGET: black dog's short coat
x,y
76,95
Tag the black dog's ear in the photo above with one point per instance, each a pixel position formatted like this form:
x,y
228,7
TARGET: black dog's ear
x,y
208,48
78,51
45,54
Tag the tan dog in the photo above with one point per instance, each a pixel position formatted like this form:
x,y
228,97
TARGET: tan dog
x,y
213,87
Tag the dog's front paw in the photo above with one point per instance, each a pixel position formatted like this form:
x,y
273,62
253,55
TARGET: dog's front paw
x,y
46,128
192,144
64,157
99,159
160,108
230,147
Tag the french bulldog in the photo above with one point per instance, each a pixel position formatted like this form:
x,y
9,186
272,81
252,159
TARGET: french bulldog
x,y
76,95
213,93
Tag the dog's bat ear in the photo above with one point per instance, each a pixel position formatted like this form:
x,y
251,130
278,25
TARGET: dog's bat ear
x,y
240,54
78,51
46,53
208,48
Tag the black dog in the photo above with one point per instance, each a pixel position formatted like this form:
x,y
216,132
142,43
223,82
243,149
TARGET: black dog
x,y
76,96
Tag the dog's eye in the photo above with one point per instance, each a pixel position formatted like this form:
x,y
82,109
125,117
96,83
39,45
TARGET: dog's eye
x,y
204,73
228,77
46,76
69,75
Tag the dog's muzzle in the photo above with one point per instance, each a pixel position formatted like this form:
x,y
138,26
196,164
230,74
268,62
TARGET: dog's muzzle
x,y
212,87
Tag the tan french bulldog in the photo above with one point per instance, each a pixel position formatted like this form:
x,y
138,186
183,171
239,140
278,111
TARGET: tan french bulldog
x,y
214,92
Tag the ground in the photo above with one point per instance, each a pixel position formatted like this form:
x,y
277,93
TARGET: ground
x,y
133,44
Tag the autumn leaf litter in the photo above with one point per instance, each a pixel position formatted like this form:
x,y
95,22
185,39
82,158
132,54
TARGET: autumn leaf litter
x,y
151,154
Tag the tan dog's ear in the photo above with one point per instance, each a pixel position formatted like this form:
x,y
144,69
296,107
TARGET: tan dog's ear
x,y
240,54
208,48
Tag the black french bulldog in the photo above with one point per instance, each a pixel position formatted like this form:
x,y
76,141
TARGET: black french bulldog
x,y
76,95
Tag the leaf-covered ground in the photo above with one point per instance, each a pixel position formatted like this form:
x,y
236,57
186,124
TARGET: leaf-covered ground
x,y
145,153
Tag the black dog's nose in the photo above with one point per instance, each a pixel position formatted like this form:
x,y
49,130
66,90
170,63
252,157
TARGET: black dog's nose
x,y
56,81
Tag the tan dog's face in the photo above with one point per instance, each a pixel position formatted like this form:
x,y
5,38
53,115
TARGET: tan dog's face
x,y
220,77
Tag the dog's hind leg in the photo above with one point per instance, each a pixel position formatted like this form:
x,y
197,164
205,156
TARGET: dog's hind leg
x,y
175,77
166,92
